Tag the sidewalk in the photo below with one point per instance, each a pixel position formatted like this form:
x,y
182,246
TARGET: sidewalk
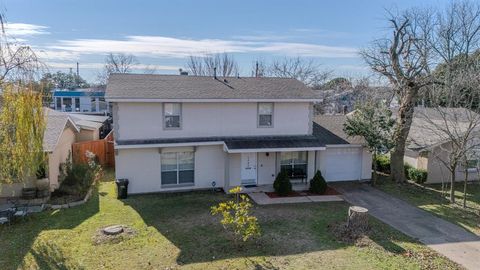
x,y
261,198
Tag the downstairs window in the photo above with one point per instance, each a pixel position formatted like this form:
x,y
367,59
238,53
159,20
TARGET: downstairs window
x,y
294,163
177,168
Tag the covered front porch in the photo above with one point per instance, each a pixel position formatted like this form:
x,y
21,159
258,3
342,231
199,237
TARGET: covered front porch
x,y
256,170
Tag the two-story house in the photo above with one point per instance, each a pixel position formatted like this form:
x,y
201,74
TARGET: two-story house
x,y
178,132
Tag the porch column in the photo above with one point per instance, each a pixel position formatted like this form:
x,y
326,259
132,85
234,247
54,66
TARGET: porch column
x,y
310,165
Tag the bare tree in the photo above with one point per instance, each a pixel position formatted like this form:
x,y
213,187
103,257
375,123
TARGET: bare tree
x,y
224,64
117,63
402,58
259,68
18,62
304,70
457,128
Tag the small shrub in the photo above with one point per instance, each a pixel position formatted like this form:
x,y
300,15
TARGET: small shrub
x,y
383,164
407,167
318,184
236,216
76,179
41,171
419,176
282,184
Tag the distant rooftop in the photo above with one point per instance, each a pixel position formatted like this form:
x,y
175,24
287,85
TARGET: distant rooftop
x,y
147,86
79,92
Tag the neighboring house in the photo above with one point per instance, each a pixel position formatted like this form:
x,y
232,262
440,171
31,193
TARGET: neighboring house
x,y
60,133
80,100
177,132
92,127
427,144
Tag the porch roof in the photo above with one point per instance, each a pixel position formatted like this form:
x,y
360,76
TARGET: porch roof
x,y
318,140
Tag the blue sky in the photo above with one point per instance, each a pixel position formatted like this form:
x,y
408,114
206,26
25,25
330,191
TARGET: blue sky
x,y
161,34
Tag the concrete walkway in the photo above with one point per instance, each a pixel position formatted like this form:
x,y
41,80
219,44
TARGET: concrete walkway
x,y
446,238
263,199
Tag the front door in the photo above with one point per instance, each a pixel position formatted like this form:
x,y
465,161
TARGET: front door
x,y
249,169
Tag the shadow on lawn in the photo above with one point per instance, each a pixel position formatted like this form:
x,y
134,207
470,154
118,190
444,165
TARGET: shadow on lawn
x,y
185,220
17,239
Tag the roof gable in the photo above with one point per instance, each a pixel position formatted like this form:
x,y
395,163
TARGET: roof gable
x,y
56,122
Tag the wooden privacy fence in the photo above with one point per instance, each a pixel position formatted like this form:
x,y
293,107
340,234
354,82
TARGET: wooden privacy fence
x,y
103,149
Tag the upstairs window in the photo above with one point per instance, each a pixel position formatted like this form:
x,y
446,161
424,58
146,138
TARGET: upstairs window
x,y
172,115
265,114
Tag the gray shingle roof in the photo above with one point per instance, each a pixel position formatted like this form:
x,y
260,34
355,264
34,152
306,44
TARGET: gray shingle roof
x,y
428,125
55,124
147,86
334,124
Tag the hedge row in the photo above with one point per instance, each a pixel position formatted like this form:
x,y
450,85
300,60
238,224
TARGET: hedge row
x,y
417,175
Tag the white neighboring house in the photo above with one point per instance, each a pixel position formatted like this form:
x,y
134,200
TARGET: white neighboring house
x,y
60,133
177,132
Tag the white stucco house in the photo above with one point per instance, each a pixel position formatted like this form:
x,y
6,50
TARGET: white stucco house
x,y
178,132
429,144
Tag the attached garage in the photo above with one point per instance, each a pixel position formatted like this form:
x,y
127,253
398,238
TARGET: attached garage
x,y
341,163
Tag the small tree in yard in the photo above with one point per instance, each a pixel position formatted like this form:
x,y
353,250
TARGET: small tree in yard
x,y
318,184
236,216
282,184
374,123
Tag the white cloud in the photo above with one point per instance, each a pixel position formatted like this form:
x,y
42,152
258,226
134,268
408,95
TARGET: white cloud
x,y
58,55
25,29
160,46
309,50
67,65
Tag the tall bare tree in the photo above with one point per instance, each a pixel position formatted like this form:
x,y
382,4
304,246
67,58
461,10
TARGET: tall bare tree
x,y
302,69
117,63
402,58
224,65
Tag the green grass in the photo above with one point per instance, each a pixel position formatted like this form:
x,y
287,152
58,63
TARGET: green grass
x,y
430,198
177,231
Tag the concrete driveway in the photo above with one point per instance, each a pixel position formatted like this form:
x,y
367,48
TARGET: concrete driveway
x,y
446,238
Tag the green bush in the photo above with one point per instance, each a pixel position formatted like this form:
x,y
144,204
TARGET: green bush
x,y
383,163
318,184
282,185
76,179
407,167
417,175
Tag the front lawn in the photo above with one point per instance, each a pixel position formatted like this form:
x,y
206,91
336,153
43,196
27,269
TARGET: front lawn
x,y
430,198
177,231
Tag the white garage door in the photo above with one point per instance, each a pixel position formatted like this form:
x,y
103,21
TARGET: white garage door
x,y
343,164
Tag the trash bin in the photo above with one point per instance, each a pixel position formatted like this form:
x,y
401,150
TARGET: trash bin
x,y
122,188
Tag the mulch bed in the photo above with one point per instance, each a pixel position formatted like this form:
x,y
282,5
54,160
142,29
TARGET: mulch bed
x,y
330,191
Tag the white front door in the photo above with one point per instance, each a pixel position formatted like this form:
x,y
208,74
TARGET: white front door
x,y
249,169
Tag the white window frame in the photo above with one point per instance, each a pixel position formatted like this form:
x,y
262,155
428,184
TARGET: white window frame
x,y
292,163
258,114
177,169
179,116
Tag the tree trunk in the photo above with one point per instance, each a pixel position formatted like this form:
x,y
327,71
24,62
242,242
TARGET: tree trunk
x,y
374,177
402,128
357,218
465,188
452,186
